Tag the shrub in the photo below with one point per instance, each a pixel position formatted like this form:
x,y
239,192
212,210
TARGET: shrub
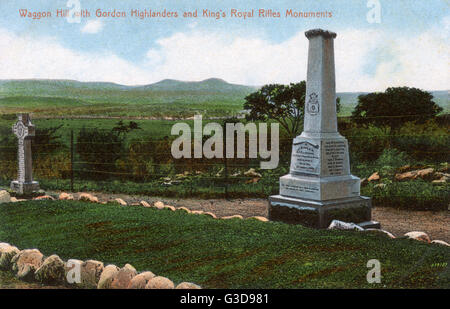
x,y
429,141
393,158
98,151
413,195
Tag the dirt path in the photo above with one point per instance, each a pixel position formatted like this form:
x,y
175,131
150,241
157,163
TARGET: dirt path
x,y
396,221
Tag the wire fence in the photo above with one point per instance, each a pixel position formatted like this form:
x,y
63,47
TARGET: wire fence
x,y
101,160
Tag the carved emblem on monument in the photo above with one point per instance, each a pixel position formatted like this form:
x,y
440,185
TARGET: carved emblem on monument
x,y
20,130
312,106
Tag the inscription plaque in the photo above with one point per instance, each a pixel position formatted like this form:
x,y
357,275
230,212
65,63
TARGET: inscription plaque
x,y
335,154
305,158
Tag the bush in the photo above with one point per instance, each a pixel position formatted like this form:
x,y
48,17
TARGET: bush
x,y
412,195
98,151
392,157
429,141
366,144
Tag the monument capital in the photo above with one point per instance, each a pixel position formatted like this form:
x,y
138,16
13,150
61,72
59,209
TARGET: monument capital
x,y
320,32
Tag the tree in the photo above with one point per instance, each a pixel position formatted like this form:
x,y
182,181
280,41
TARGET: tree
x,y
338,105
100,150
395,107
122,128
283,103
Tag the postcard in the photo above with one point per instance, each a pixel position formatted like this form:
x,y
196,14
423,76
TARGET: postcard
x,y
235,148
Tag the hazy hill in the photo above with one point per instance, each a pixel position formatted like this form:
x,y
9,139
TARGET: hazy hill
x,y
211,84
168,97
51,87
212,97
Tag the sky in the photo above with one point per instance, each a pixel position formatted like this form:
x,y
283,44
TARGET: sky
x,y
406,44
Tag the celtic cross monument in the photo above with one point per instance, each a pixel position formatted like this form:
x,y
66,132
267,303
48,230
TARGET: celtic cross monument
x,y
319,186
24,130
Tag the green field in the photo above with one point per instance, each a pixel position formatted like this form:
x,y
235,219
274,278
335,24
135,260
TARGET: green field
x,y
151,129
143,159
168,98
220,253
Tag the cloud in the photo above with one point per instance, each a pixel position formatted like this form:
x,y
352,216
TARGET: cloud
x,y
420,61
366,60
198,55
92,26
29,57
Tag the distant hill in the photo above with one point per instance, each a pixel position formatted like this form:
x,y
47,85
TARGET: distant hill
x,y
53,87
211,84
167,97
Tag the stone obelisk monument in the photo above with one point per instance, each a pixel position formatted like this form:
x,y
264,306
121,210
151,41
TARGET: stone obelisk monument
x,y
24,130
319,187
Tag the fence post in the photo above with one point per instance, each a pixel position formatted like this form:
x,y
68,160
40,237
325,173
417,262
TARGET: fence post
x,y
226,177
71,160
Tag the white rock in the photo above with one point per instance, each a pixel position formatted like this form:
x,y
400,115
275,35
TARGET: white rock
x,y
421,236
123,278
259,218
44,197
88,197
65,196
144,203
7,252
187,286
232,217
159,205
120,201
159,283
141,280
89,273
184,209
107,276
341,225
51,271
26,262
210,214
4,197
390,235
440,242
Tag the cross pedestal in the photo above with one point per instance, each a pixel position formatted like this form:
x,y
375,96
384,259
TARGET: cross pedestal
x,y
24,130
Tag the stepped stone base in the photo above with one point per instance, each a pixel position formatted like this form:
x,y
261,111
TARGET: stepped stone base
x,y
318,189
24,187
319,214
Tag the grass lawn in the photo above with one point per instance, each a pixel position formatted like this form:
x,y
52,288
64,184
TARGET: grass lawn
x,y
220,253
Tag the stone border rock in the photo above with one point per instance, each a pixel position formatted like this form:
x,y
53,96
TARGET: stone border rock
x,y
32,266
88,197
419,236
